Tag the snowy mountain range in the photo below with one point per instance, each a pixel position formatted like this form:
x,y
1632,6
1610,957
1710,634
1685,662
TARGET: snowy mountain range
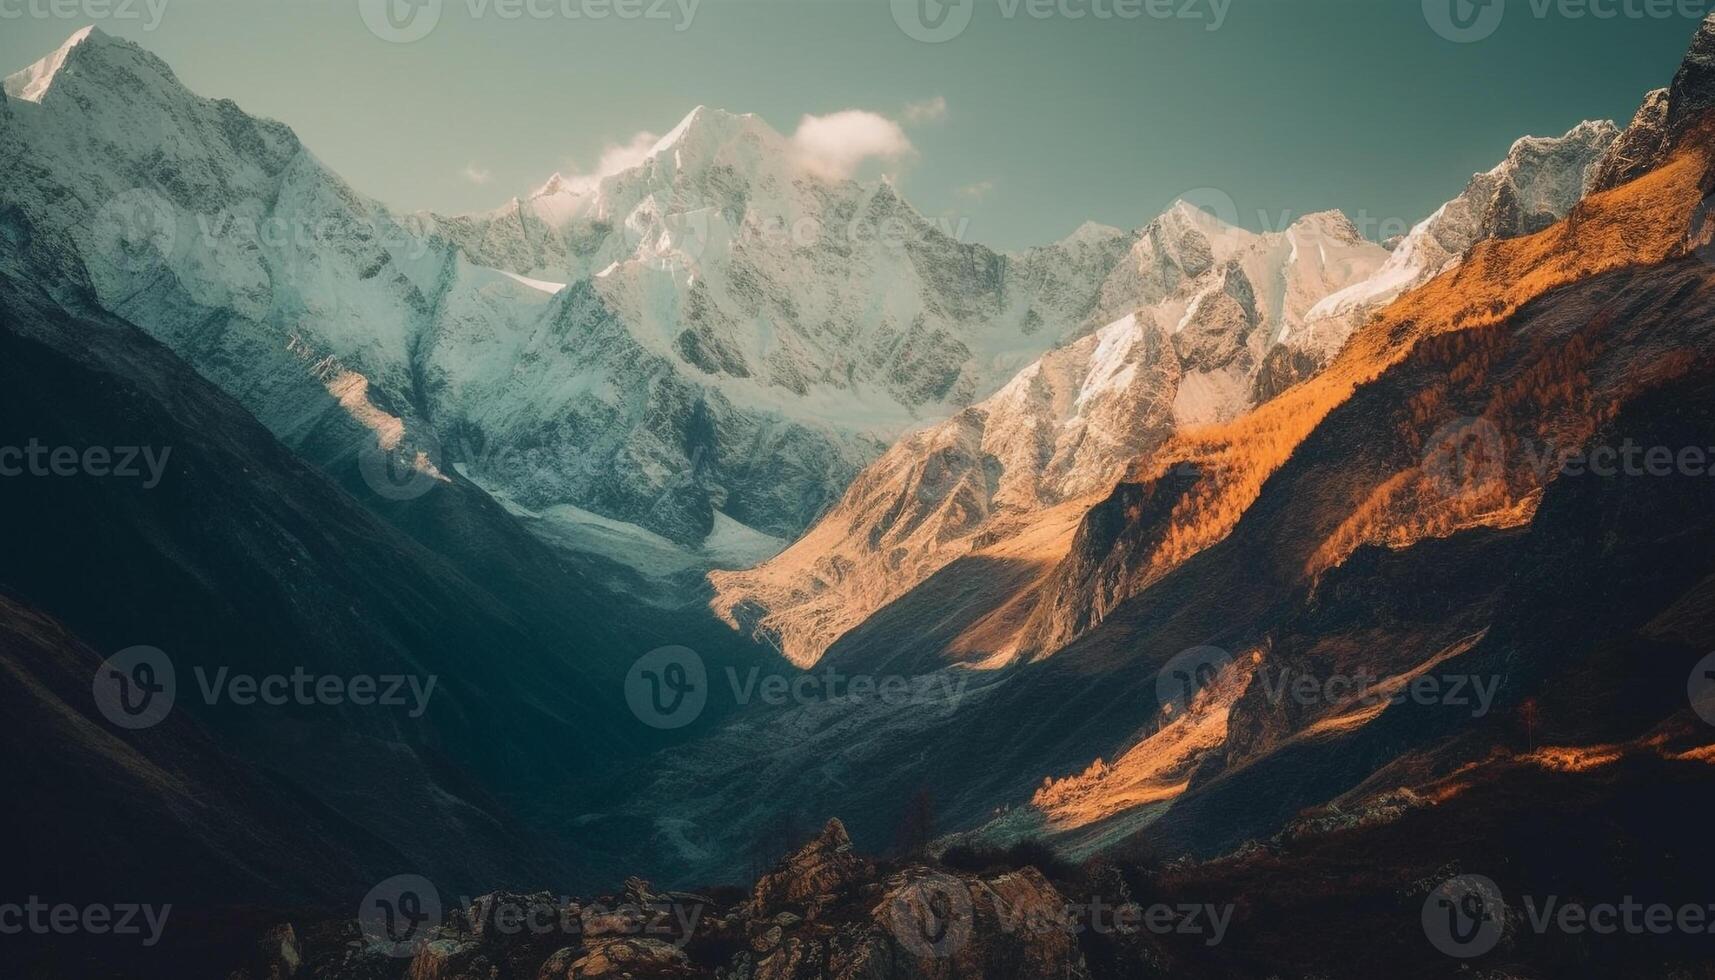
x,y
718,329
1536,185
701,350
1296,550
1220,320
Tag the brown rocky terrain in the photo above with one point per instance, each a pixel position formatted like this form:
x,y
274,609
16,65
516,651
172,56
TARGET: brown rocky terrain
x,y
1411,514
822,912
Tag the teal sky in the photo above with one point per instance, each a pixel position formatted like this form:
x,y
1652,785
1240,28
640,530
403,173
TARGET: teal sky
x,y
1291,106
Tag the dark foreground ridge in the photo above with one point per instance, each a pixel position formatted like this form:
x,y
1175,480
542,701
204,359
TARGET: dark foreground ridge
x,y
1336,893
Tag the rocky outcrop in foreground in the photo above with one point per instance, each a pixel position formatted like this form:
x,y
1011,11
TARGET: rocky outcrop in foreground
x,y
824,911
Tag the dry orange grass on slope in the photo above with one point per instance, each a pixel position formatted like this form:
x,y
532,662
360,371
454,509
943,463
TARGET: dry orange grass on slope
x,y
1643,223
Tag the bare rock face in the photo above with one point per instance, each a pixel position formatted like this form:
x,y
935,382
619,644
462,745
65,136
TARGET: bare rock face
x,y
924,924
713,329
278,956
631,957
1638,148
942,926
1666,116
450,959
1693,91
1198,307
825,913
824,867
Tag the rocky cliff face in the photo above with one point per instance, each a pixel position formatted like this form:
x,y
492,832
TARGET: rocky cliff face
x,y
1666,117
822,913
1115,559
1539,182
780,327
1389,541
1301,531
1221,321
1208,304
1638,146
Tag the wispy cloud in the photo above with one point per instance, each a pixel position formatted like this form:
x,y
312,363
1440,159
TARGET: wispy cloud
x,y
837,144
978,190
926,111
614,158
476,175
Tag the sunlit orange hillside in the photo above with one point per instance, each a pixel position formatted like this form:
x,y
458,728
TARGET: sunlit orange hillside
x,y
1641,224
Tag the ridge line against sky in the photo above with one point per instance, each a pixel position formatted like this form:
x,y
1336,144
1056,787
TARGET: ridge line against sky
x,y
1024,124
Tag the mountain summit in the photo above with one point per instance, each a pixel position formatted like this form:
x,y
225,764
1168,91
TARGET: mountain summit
x,y
1215,312
712,336
1220,320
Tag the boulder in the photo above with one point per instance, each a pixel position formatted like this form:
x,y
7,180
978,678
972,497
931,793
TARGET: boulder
x,y
823,867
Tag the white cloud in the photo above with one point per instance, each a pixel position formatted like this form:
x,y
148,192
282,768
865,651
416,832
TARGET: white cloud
x,y
476,175
926,111
615,157
837,144
978,190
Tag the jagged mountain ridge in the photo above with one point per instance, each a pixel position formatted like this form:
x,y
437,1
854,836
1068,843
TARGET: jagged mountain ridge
x,y
1224,320
1233,462
1536,185
1308,530
1577,337
703,332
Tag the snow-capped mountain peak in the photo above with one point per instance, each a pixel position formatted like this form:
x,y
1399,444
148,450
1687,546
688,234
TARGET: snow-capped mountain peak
x,y
108,67
1537,183
128,69
1208,321
1185,215
704,131
735,334
1332,224
30,84
1198,305
1092,232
